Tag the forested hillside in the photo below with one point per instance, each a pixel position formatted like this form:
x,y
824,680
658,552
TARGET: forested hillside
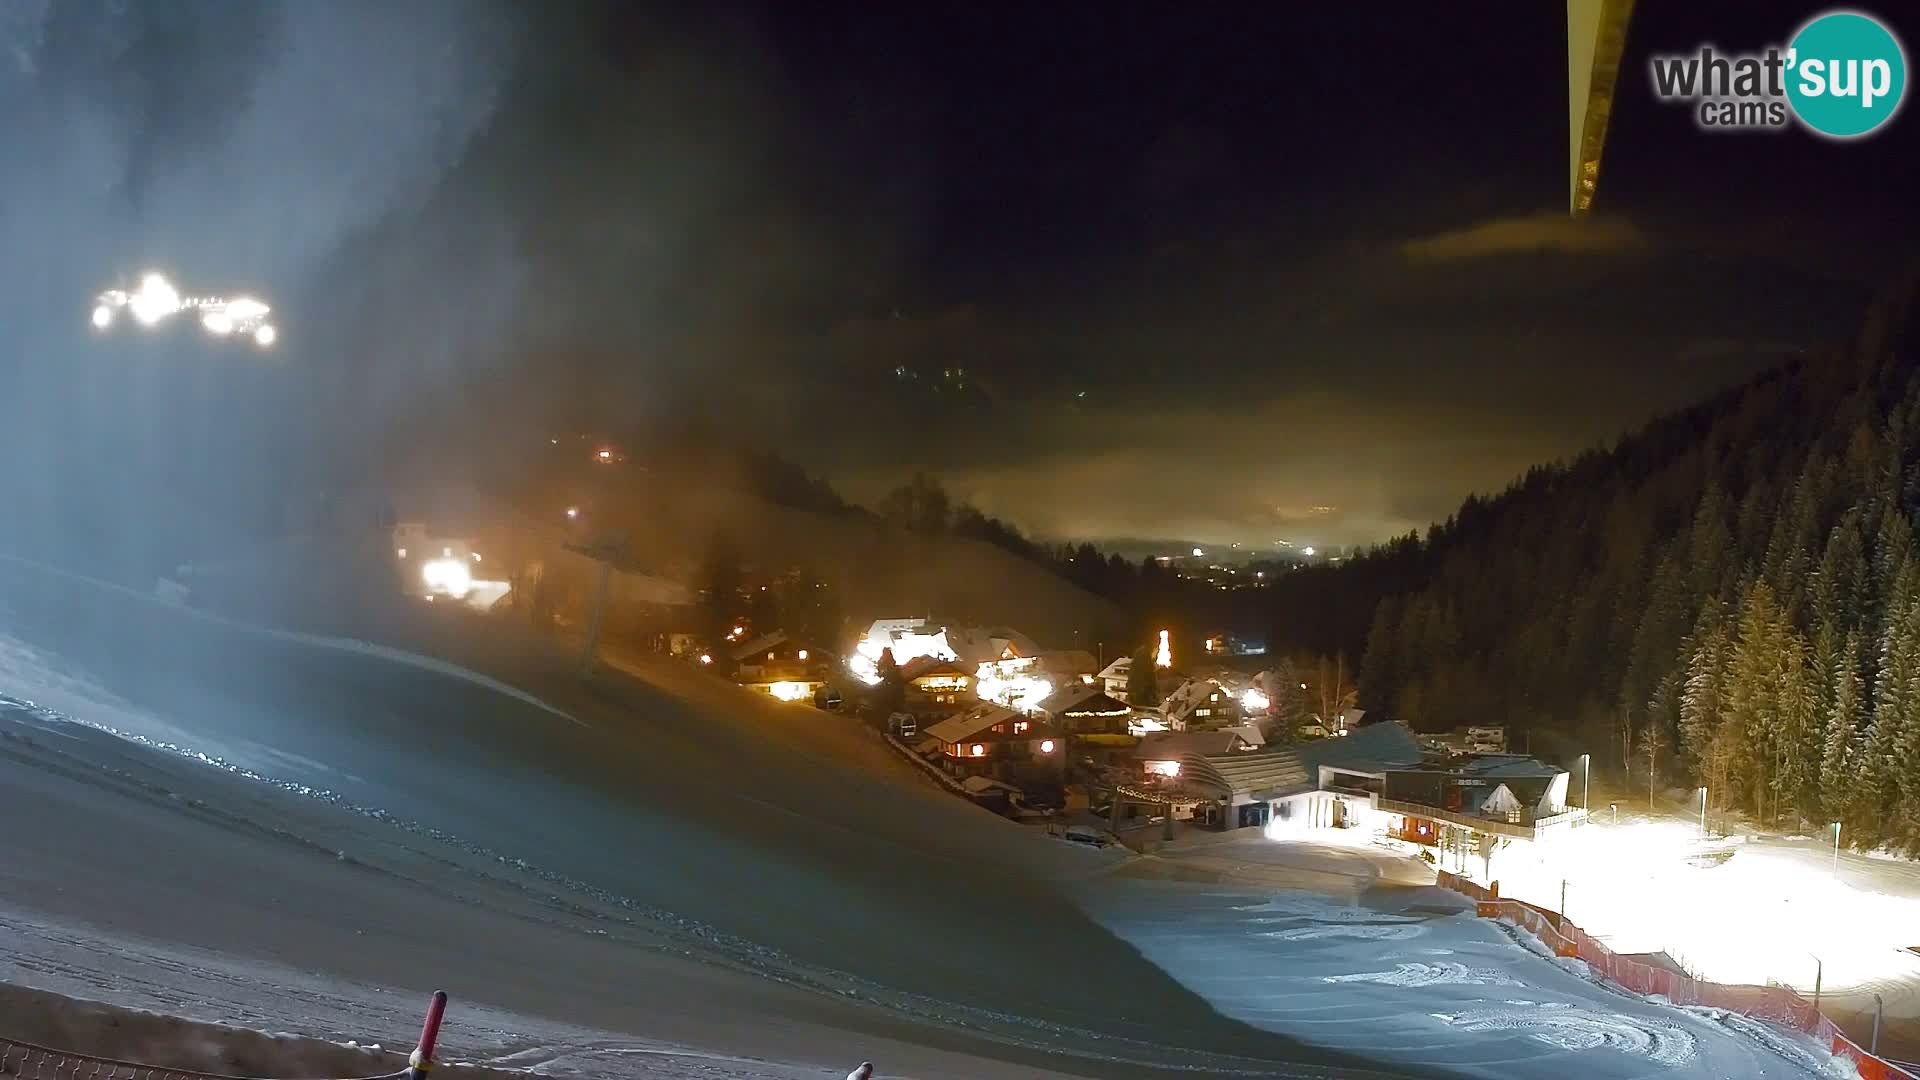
x,y
1730,597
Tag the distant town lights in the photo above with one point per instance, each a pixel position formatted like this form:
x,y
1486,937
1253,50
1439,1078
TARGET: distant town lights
x,y
1308,552
1199,554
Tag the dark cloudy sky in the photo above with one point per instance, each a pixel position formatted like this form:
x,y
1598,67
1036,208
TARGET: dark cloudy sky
x,y
1113,270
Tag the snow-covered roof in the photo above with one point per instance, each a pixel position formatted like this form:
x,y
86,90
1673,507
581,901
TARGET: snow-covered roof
x,y
1277,772
980,785
759,645
1077,699
962,726
1191,695
1175,745
1120,668
922,666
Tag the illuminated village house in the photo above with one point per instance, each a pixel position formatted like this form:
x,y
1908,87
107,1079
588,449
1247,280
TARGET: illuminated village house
x,y
781,666
992,739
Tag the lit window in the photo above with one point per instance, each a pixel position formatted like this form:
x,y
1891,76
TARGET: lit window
x,y
1019,727
979,750
446,553
803,654
769,656
1203,712
401,553
1163,768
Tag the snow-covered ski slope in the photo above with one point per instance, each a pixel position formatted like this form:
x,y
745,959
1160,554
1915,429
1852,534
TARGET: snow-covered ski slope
x,y
649,873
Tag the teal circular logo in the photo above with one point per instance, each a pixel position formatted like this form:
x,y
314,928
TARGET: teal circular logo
x,y
1846,74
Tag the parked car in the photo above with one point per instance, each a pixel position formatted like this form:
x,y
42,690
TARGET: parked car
x,y
1085,834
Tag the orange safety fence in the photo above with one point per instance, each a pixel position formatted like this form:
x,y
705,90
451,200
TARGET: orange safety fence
x,y
1775,1004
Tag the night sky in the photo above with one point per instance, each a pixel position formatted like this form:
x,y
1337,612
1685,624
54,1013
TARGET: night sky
x,y
1206,273
1111,271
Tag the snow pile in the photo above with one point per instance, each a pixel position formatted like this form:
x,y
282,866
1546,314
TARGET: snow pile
x,y
1572,1028
1441,974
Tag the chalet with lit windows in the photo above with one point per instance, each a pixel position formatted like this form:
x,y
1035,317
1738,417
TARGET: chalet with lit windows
x,y
937,687
989,738
1081,710
1112,679
781,666
1201,703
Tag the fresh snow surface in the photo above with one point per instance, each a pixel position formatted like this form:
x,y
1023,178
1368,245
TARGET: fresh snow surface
x,y
295,835
1356,972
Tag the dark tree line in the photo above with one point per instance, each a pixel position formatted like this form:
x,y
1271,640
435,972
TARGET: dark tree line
x,y
1730,597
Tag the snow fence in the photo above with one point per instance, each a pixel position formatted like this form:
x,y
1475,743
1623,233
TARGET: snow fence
x,y
1774,1004
29,1061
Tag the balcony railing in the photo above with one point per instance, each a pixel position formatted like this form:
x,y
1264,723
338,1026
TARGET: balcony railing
x,y
1527,827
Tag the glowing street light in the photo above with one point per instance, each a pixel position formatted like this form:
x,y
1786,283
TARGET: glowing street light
x,y
573,513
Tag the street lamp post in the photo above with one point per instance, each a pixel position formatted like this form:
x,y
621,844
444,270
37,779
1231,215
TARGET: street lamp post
x,y
1615,807
1703,811
1836,851
1817,971
1586,782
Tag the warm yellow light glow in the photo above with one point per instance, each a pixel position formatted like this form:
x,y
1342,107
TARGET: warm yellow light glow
x,y
1046,746
1164,658
1254,699
1163,768
447,575
706,658
789,691
1009,690
907,647
803,654
979,750
573,512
